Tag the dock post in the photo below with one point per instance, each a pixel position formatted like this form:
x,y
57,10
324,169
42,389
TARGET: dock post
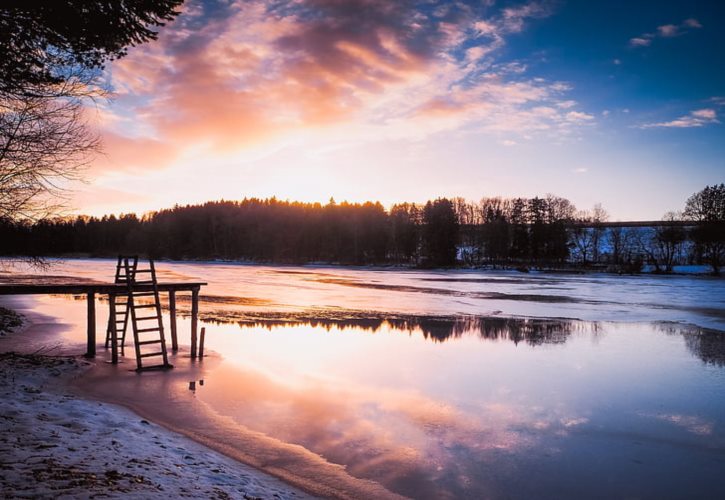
x,y
172,319
201,342
194,319
91,331
114,330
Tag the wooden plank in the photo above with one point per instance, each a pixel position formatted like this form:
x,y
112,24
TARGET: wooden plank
x,y
194,320
91,327
172,319
85,288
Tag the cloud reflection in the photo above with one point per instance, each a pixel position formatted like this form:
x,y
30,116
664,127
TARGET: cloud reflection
x,y
409,442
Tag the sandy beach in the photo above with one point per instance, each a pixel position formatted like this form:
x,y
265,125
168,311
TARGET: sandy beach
x,y
55,445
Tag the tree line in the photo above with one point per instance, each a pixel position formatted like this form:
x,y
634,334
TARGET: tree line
x,y
519,232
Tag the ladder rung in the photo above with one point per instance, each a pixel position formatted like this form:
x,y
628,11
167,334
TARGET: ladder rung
x,y
120,322
143,282
146,318
156,367
151,354
144,330
143,294
146,342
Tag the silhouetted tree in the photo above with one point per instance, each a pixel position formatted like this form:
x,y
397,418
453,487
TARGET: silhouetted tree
x,y
587,232
707,209
667,242
440,233
50,56
496,231
519,229
40,41
405,219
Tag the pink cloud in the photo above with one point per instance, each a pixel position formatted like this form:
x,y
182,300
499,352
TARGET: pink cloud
x,y
696,118
228,76
665,31
642,41
668,30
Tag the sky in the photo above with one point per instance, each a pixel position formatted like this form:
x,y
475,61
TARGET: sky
x,y
618,103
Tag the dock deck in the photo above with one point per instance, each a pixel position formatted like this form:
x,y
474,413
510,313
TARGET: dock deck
x,y
92,288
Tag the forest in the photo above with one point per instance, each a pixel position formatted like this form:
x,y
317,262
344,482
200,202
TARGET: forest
x,y
546,232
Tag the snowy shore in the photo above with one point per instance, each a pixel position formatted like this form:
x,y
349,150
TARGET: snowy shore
x,y
54,445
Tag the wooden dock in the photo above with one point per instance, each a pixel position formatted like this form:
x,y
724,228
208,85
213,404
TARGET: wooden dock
x,y
91,289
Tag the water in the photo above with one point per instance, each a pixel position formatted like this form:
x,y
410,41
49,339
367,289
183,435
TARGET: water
x,y
444,384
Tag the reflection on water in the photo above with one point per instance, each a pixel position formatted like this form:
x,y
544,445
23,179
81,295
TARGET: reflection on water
x,y
708,345
376,391
570,408
533,331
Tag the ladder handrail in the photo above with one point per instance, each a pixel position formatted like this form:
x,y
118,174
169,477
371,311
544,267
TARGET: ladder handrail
x,y
131,271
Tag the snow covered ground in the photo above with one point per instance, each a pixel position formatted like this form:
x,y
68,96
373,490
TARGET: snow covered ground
x,y
53,445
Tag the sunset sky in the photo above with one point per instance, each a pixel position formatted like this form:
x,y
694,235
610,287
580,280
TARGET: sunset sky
x,y
612,102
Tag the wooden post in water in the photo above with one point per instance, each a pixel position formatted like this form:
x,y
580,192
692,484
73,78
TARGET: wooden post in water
x,y
194,319
172,319
114,330
201,342
91,331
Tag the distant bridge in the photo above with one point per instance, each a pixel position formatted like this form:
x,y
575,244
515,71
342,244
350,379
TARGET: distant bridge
x,y
625,224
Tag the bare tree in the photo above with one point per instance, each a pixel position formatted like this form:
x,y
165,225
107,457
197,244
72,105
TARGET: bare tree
x,y
625,249
707,209
44,141
51,54
586,234
668,240
559,209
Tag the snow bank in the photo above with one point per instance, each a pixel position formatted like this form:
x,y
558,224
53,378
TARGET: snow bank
x,y
54,445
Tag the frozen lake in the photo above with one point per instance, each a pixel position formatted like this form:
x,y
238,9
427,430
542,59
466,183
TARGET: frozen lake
x,y
455,384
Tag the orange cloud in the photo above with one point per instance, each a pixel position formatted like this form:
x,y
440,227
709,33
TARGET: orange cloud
x,y
228,76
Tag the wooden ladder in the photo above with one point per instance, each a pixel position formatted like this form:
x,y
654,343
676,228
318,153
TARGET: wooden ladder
x,y
121,304
146,319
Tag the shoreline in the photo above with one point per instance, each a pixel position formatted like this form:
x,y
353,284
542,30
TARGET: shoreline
x,y
53,442
158,397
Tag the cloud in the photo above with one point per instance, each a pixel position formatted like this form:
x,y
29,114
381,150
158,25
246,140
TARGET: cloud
x,y
665,31
514,17
705,114
578,116
668,30
691,423
227,76
696,118
642,41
